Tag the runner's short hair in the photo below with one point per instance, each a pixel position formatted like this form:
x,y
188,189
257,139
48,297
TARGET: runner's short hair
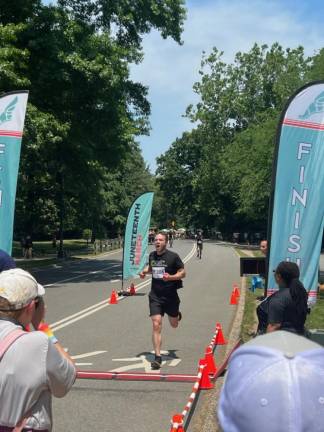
x,y
164,234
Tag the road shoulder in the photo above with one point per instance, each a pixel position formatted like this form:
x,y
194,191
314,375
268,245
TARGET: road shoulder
x,y
205,419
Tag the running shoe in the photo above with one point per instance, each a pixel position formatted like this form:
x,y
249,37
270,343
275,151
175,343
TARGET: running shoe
x,y
156,363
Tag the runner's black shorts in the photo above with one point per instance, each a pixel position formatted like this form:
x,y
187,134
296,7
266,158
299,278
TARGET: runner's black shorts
x,y
161,306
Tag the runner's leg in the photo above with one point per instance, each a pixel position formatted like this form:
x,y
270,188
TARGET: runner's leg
x,y
156,335
174,321
172,309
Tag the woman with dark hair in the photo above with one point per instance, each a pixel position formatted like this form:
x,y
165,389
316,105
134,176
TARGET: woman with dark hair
x,y
287,308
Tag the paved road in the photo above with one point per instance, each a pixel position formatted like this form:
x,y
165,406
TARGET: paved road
x,y
110,333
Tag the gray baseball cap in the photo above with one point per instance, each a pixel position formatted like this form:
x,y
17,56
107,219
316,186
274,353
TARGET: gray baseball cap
x,y
274,383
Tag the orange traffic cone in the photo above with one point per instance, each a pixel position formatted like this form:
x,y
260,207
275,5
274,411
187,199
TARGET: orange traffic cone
x,y
220,340
205,383
177,420
236,290
113,298
43,326
233,299
132,289
209,357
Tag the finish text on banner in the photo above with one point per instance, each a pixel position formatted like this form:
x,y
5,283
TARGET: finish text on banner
x,y
297,210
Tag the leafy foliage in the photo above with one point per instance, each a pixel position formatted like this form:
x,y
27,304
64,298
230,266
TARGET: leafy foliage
x,y
226,184
80,164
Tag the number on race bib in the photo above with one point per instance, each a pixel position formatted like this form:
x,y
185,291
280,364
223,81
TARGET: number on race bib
x,y
158,272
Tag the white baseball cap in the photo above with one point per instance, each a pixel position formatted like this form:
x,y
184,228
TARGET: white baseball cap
x,y
19,287
274,383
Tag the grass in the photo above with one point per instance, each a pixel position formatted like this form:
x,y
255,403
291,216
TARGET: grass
x,y
315,319
249,322
258,253
30,264
43,248
46,255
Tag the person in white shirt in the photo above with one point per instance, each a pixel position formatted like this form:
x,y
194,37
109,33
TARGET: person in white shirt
x,y
35,366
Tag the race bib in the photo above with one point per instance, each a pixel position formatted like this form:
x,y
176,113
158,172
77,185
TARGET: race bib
x,y
158,272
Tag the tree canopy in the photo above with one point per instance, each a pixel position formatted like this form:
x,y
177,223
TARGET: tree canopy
x,y
221,170
80,163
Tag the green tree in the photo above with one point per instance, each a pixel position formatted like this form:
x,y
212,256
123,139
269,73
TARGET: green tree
x,y
85,112
238,111
176,179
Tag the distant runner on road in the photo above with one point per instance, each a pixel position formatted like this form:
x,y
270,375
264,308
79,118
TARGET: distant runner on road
x,y
167,271
199,240
171,238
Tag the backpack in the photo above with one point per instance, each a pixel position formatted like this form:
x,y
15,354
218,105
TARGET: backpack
x,y
5,344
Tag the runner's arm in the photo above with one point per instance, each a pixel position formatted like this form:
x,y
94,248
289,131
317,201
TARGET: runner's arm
x,y
181,274
145,271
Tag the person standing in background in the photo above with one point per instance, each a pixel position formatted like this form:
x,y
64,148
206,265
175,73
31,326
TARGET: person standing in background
x,y
264,247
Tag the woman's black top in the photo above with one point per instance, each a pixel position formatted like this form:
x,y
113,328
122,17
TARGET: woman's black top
x,y
280,308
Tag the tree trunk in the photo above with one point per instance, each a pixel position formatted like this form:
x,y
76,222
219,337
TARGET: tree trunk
x,y
60,252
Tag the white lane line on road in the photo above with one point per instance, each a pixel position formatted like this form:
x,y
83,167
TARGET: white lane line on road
x,y
93,307
98,306
87,273
174,362
115,280
79,317
83,364
89,354
79,276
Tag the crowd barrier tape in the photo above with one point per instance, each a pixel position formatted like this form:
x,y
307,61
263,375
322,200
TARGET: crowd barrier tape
x,y
135,376
178,419
206,370
202,382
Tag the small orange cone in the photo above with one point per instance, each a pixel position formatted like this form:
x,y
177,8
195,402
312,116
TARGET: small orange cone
x,y
233,299
205,383
43,326
113,298
209,357
220,340
236,290
178,419
132,289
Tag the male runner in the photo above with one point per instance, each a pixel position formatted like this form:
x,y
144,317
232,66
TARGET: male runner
x,y
167,270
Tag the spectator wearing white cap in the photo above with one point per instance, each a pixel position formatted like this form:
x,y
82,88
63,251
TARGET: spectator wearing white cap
x,y
33,367
274,383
